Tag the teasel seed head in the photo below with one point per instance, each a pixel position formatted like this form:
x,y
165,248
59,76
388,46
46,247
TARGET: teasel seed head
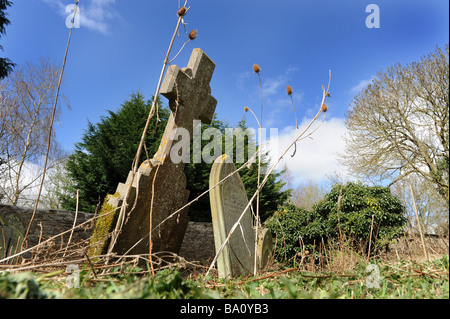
x,y
193,34
182,11
256,68
324,107
289,90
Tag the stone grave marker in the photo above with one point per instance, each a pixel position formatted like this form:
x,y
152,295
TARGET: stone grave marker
x,y
160,183
228,201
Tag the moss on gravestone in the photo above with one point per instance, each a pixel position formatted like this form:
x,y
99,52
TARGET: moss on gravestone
x,y
104,226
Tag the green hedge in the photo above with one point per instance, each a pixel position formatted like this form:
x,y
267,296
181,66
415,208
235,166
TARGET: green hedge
x,y
354,218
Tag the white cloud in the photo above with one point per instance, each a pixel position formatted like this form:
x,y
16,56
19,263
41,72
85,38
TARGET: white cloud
x,y
95,15
316,157
361,85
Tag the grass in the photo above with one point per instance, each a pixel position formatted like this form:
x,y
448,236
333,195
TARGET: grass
x,y
397,280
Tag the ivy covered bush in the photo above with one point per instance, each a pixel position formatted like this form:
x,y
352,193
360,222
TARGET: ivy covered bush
x,y
289,224
352,218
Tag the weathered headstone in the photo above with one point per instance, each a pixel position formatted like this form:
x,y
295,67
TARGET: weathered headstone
x,y
228,201
160,184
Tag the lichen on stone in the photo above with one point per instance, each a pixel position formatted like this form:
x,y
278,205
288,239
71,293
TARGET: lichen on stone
x,y
104,226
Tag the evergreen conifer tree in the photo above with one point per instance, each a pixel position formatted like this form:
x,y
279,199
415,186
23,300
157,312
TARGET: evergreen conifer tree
x,y
6,65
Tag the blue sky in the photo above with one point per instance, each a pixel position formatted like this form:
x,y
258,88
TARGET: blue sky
x,y
119,47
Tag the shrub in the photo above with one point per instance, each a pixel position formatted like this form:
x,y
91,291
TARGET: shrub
x,y
291,224
358,204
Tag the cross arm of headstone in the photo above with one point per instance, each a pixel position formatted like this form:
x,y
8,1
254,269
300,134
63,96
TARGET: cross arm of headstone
x,y
189,92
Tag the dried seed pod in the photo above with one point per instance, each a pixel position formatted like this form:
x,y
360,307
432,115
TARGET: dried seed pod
x,y
193,34
289,90
324,107
256,68
182,12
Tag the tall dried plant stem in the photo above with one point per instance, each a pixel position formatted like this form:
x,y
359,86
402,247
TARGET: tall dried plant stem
x,y
339,203
370,238
134,170
50,130
150,245
419,225
74,221
299,137
257,223
295,114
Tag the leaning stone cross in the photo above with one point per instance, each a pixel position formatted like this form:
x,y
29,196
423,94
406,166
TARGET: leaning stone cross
x,y
160,184
189,97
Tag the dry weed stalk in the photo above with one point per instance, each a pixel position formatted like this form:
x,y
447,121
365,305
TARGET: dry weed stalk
x,y
257,70
270,170
121,218
74,221
290,92
50,131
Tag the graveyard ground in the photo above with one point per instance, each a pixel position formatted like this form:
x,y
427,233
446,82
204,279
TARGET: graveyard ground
x,y
343,276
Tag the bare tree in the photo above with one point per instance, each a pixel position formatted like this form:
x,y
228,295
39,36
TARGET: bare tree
x,y
399,125
432,209
307,194
26,98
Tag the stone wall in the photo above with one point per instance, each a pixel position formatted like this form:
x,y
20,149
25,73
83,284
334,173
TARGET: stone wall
x,y
198,243
47,223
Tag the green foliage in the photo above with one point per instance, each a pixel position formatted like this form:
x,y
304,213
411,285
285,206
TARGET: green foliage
x,y
291,224
6,66
358,204
351,218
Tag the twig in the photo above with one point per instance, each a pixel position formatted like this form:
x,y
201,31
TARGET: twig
x,y
424,273
340,232
74,222
257,222
419,225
